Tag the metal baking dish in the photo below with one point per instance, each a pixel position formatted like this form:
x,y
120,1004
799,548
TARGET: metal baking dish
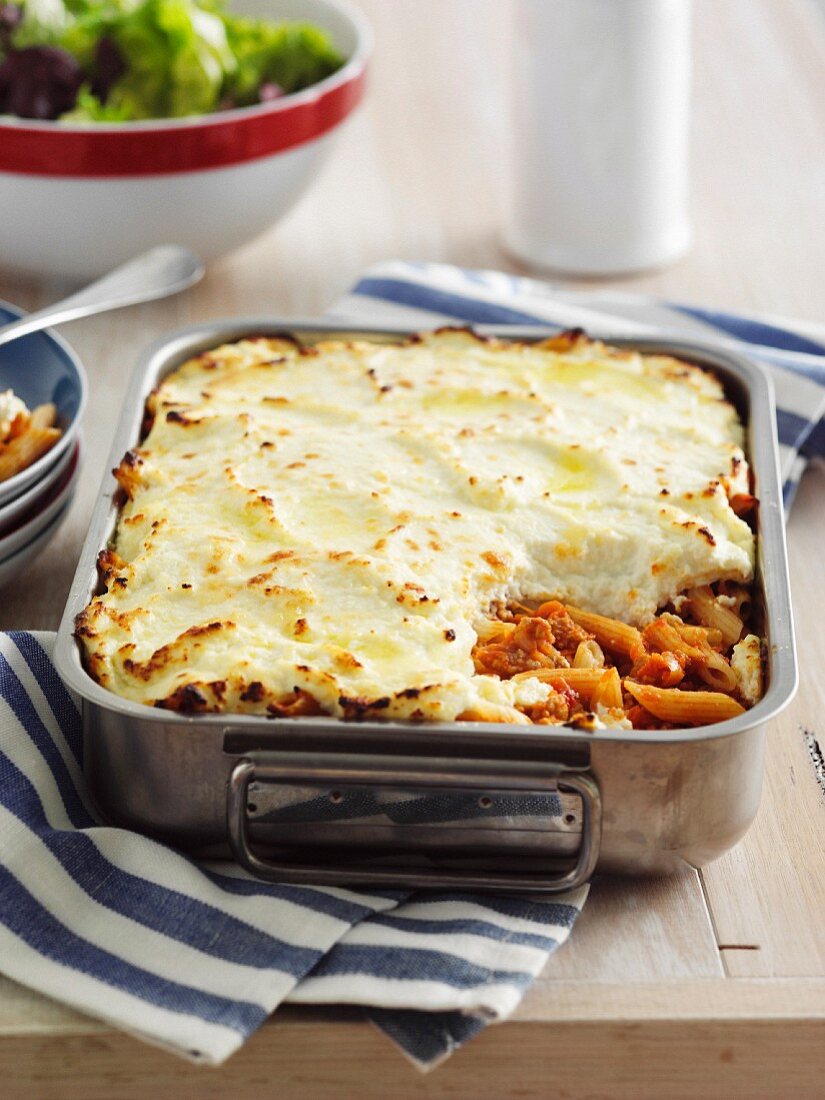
x,y
486,806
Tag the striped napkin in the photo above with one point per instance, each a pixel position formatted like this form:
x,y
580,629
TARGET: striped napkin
x,y
193,956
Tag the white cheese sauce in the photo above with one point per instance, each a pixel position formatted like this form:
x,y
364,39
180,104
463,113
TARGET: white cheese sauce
x,y
349,516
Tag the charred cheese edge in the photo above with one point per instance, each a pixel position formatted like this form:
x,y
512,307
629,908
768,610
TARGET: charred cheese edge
x,y
337,520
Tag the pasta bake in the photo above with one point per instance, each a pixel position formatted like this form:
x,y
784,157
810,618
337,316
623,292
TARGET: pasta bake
x,y
446,528
25,435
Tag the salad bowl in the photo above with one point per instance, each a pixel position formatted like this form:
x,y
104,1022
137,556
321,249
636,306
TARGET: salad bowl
x,y
82,196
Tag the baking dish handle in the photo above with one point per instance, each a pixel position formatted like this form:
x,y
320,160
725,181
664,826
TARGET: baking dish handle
x,y
288,769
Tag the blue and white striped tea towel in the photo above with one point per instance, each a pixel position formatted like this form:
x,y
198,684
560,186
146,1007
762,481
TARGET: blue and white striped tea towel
x,y
194,956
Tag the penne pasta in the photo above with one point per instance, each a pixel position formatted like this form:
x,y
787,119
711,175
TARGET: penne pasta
x,y
25,449
490,629
737,598
493,712
588,655
710,613
715,671
698,637
43,416
670,634
614,635
584,681
661,636
608,692
684,708
575,677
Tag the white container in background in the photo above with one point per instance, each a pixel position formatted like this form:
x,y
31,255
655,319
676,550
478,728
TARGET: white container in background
x,y
600,119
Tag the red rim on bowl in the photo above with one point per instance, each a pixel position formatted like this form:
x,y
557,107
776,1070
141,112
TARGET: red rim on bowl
x,y
190,144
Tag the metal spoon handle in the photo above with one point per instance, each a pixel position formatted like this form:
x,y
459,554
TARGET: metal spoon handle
x,y
155,274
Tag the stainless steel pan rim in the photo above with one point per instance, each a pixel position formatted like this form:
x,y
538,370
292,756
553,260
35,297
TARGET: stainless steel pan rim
x,y
184,343
650,801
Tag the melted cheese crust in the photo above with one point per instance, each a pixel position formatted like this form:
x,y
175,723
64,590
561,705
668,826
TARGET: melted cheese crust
x,y
339,519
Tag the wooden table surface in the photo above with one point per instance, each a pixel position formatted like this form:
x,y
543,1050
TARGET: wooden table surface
x,y
711,984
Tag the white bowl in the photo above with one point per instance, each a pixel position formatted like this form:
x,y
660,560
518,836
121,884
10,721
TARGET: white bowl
x,y
20,532
41,368
16,509
77,199
13,566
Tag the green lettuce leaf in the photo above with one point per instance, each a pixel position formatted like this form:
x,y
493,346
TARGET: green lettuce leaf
x,y
89,109
43,23
291,55
177,57
182,57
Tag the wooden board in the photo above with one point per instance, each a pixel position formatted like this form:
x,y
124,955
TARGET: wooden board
x,y
767,896
342,1059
